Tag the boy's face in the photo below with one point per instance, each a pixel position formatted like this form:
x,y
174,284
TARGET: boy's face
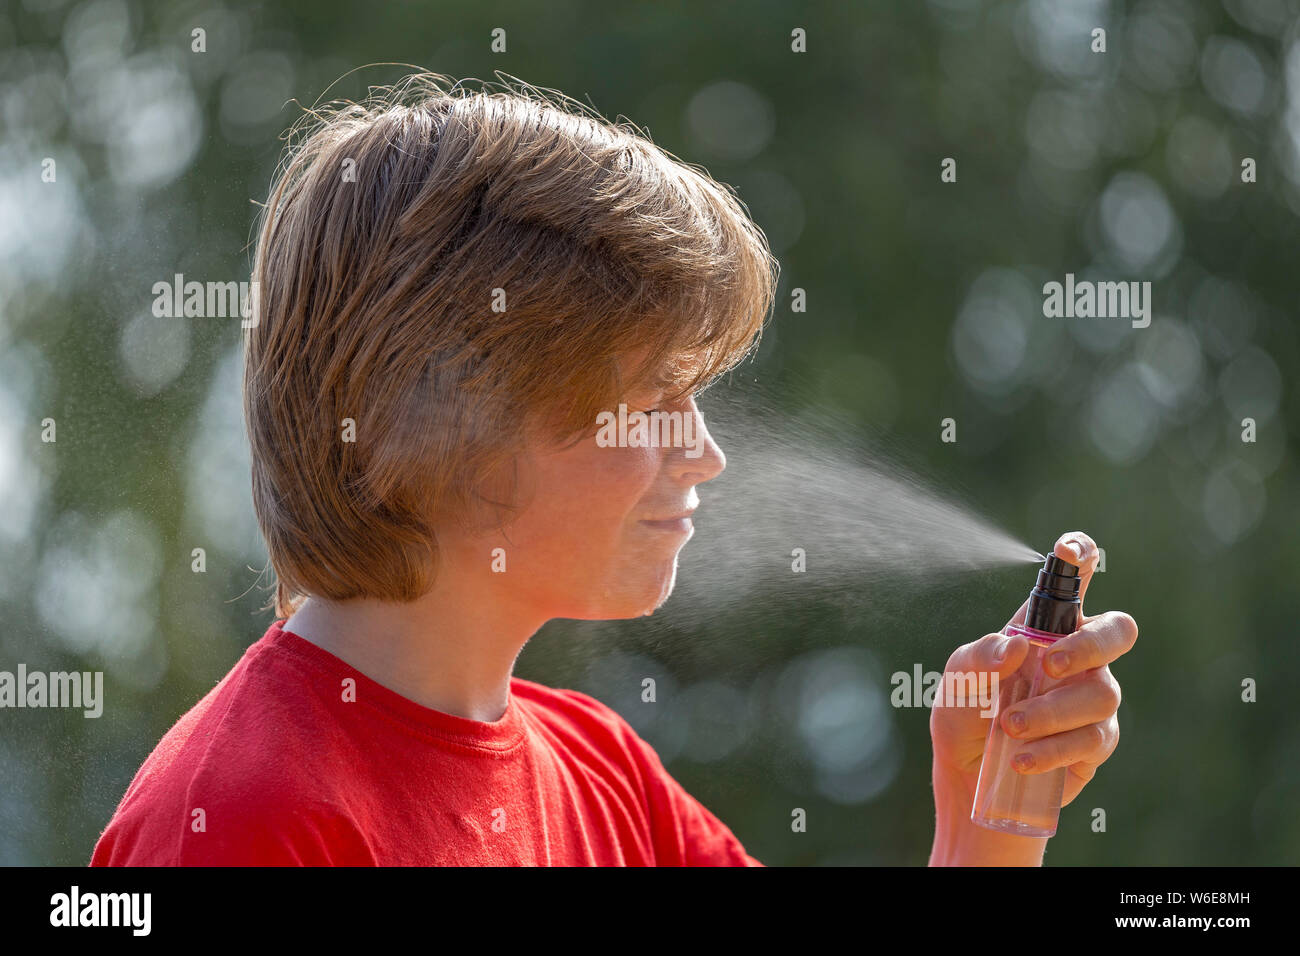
x,y
601,528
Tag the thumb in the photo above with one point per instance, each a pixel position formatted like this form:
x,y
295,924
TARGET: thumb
x,y
1000,654
971,667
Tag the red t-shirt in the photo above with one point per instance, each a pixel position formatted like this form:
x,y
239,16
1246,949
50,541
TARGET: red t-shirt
x,y
275,767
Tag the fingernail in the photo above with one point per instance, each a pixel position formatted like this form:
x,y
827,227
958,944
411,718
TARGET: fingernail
x,y
1024,761
1017,721
1076,546
1058,661
1000,651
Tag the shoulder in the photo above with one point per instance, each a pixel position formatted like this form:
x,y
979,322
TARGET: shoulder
x,y
563,701
236,780
681,829
590,731
254,729
562,709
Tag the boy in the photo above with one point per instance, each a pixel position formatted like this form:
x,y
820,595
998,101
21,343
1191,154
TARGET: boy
x,y
454,289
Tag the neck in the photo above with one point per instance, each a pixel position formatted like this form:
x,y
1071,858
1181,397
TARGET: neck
x,y
452,650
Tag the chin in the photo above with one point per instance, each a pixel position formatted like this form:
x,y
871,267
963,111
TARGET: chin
x,y
659,595
634,599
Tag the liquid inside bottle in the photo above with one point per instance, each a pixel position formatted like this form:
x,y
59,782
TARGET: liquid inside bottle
x,y
1026,804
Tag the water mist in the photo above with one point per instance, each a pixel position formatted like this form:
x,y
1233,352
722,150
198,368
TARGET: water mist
x,y
805,503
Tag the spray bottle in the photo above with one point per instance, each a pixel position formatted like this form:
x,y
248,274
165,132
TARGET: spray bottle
x,y
1028,804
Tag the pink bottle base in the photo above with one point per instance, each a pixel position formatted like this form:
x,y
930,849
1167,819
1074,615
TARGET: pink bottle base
x,y
1014,827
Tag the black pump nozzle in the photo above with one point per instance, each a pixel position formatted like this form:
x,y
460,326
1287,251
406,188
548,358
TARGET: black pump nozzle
x,y
1054,602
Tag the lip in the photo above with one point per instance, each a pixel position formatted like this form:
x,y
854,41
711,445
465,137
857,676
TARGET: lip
x,y
679,524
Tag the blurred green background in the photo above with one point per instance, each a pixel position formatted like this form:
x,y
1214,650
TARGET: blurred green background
x,y
924,302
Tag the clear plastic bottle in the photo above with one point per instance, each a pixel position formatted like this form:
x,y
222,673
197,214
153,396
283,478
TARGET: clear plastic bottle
x,y
1006,800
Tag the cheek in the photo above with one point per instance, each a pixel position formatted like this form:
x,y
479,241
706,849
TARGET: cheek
x,y
588,494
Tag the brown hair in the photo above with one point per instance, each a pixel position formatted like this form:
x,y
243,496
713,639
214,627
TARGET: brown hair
x,y
394,228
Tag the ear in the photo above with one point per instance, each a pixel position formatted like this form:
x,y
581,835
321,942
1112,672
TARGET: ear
x,y
499,494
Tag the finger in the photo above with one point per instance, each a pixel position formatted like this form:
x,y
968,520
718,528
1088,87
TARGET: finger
x,y
999,654
1090,745
1064,708
1081,551
1096,643
1084,770
969,666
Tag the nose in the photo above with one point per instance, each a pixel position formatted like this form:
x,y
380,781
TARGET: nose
x,y
710,461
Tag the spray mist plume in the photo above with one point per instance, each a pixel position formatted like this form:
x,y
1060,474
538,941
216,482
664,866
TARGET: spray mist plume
x,y
811,482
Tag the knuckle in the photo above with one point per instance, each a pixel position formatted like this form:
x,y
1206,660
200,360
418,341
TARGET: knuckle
x,y
959,658
1095,737
979,652
1111,692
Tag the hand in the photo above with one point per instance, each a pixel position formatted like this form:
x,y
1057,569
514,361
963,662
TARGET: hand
x,y
1074,725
